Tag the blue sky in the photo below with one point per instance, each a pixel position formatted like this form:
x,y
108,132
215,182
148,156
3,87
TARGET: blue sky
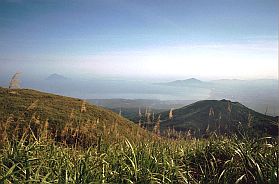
x,y
140,38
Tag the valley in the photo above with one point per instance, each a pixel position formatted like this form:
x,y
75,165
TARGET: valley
x,y
139,92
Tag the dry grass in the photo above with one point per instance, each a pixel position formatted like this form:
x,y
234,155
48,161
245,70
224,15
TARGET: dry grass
x,y
96,149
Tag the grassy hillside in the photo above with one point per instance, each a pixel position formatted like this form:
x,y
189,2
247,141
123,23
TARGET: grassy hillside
x,y
25,107
38,131
225,117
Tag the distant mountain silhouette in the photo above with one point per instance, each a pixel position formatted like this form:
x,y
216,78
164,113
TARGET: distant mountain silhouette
x,y
221,116
56,77
186,82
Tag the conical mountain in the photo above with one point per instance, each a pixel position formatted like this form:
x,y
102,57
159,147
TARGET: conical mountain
x,y
56,77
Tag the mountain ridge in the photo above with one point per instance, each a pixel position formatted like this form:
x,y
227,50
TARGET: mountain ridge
x,y
189,82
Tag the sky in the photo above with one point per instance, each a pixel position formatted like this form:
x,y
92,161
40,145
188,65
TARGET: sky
x,y
140,38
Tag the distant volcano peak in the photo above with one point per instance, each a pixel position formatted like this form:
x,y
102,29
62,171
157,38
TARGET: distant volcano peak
x,y
56,76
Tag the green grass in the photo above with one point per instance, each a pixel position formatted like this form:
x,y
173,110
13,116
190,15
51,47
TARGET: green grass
x,y
196,118
116,151
216,160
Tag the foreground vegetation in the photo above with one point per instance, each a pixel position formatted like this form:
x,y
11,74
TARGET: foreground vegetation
x,y
215,160
110,149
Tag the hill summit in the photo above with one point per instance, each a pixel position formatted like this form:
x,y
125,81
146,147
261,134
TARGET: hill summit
x,y
221,116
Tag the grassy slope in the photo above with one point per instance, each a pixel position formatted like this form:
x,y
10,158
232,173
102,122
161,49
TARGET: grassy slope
x,y
196,116
215,160
59,111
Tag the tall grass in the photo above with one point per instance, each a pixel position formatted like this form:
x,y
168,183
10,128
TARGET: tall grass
x,y
216,160
30,152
